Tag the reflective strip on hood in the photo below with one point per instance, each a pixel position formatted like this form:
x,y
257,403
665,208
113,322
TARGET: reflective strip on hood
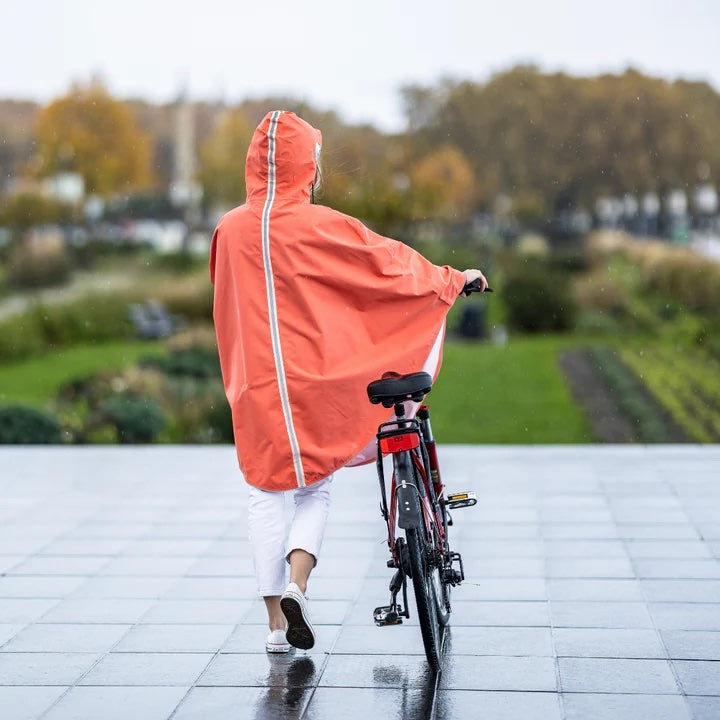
x,y
272,305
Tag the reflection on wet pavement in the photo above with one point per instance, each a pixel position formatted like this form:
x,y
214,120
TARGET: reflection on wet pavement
x,y
592,591
289,682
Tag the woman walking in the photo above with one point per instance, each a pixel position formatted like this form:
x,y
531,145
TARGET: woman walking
x,y
310,306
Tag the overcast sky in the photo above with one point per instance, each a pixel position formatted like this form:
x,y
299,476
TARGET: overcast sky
x,y
351,56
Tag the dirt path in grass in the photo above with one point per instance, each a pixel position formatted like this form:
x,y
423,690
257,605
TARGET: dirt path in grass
x,y
608,420
590,390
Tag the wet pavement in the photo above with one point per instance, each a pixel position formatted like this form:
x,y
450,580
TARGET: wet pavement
x,y
592,591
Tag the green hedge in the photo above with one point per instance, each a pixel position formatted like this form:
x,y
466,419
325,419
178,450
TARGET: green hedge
x,y
196,362
538,298
20,337
220,424
137,420
692,280
193,300
95,317
91,318
24,425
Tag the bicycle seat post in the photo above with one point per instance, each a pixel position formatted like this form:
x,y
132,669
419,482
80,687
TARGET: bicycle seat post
x,y
400,414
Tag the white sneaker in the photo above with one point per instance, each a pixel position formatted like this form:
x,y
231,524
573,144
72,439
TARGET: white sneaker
x,y
294,605
276,642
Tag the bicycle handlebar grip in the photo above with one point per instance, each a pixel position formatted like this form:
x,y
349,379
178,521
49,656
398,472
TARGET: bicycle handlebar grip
x,y
474,286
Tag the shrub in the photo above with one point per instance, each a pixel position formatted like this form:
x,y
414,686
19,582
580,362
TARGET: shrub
x,y
219,422
137,420
200,335
94,250
177,262
95,317
192,298
91,318
604,244
26,425
36,266
195,362
640,316
596,322
537,298
572,259
599,290
707,336
680,274
144,404
20,337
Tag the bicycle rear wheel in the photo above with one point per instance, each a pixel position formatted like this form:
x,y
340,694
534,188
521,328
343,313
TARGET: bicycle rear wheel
x,y
442,587
441,596
425,600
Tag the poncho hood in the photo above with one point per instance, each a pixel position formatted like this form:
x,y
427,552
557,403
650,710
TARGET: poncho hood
x,y
295,152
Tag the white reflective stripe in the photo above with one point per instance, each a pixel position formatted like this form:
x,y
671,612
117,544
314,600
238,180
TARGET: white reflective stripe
x,y
272,306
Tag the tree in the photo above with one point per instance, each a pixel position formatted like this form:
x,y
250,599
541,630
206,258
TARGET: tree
x,y
364,175
222,159
566,140
442,185
95,135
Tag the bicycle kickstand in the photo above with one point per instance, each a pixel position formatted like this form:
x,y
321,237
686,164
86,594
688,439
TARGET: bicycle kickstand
x,y
393,613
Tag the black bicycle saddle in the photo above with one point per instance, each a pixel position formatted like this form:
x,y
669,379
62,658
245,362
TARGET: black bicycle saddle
x,y
394,388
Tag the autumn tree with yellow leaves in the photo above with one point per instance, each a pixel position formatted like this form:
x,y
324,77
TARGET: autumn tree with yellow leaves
x,y
442,185
91,133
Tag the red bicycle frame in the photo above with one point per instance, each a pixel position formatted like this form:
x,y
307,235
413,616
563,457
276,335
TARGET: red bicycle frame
x,y
412,436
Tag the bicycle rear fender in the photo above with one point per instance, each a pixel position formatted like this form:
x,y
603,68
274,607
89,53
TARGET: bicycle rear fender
x,y
409,514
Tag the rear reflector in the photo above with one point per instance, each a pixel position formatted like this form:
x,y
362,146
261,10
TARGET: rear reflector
x,y
396,443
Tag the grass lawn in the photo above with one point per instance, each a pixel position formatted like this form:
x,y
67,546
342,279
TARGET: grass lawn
x,y
512,394
485,393
35,381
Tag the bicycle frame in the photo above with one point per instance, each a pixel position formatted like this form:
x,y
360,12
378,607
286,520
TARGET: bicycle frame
x,y
417,505
412,446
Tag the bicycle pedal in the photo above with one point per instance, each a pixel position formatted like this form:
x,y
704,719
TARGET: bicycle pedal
x,y
450,574
387,615
452,577
460,500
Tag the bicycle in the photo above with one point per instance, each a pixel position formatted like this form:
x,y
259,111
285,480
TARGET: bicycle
x,y
419,506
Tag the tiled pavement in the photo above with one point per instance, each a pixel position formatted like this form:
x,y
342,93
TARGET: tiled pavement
x,y
592,591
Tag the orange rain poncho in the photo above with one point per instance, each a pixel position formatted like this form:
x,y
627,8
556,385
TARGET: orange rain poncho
x,y
310,306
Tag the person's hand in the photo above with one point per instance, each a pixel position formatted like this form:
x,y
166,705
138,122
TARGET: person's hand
x,y
471,275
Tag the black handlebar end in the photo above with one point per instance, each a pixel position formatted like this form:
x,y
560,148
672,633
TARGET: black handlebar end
x,y
474,286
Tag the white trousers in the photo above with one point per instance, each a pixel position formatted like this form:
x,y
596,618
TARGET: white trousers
x,y
267,529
